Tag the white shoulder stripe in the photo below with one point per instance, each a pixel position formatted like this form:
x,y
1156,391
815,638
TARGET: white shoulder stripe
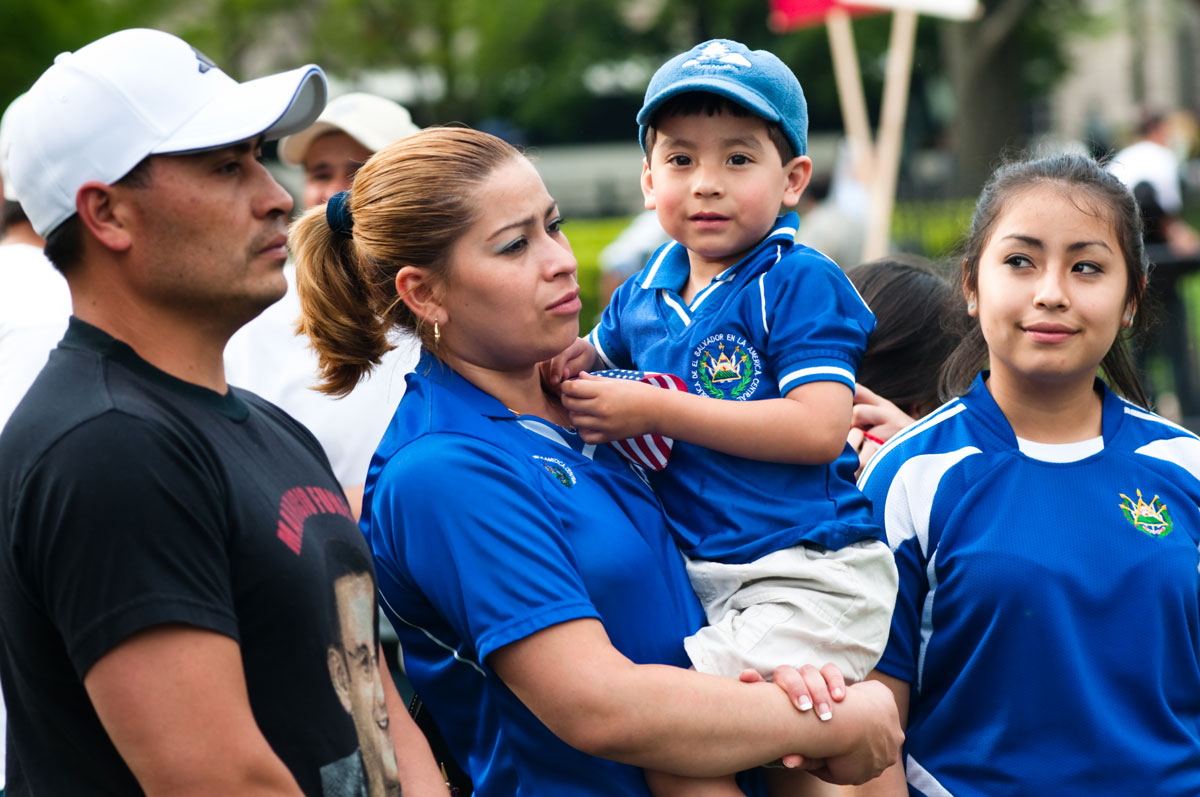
x,y
1182,451
657,262
943,413
1138,412
920,779
434,639
762,295
910,495
594,339
676,306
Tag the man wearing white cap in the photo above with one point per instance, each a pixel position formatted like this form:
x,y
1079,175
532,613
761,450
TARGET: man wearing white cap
x,y
163,609
268,357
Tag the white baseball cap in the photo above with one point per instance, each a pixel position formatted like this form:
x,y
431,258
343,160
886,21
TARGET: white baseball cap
x,y
98,112
370,120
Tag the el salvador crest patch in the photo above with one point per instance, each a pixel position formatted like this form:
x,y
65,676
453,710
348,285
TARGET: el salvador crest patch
x,y
1151,518
726,366
558,469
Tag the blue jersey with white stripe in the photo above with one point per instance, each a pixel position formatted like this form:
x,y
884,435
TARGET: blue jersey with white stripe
x,y
487,528
1048,618
784,316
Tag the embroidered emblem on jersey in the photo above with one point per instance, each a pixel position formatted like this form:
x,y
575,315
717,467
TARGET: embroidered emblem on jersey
x,y
716,54
558,469
1149,518
725,366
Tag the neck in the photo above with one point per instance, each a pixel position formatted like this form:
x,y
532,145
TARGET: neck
x,y
1049,413
520,390
171,341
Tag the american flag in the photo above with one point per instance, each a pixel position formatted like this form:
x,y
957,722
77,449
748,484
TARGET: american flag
x,y
651,451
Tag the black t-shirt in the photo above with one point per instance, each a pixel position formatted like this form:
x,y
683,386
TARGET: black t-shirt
x,y
129,499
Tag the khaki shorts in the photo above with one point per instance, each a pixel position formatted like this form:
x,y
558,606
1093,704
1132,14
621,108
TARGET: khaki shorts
x,y
801,605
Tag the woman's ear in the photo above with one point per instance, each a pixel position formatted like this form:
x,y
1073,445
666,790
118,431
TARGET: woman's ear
x,y
416,288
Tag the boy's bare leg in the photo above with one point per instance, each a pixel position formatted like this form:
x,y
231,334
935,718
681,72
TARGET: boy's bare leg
x,y
798,783
663,784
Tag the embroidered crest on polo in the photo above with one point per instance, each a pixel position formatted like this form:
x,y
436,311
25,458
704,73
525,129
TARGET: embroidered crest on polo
x,y
715,54
726,366
558,469
1151,519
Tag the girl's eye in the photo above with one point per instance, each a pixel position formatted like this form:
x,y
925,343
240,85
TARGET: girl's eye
x,y
1086,268
1018,261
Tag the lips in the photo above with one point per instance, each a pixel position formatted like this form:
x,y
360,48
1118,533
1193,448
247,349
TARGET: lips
x,y
275,246
1048,333
567,304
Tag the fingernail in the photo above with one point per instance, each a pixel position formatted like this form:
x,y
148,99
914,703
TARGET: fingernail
x,y
824,713
804,703
838,692
789,763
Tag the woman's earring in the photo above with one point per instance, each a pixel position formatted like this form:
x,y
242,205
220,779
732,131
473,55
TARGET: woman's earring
x,y
970,306
437,335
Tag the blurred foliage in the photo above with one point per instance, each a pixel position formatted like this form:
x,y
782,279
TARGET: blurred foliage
x,y
556,72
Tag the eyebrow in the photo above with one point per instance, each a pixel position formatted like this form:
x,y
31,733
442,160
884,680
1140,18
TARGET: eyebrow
x,y
749,142
522,223
1029,240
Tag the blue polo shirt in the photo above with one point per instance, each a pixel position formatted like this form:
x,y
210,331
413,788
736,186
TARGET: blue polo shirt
x,y
487,528
784,316
1048,618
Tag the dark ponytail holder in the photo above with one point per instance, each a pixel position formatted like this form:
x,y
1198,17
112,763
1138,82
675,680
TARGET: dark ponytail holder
x,y
337,214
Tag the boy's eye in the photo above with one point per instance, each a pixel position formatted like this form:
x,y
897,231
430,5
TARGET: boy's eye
x,y
739,159
679,160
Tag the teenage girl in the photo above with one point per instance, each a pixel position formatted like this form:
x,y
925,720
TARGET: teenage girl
x,y
1046,637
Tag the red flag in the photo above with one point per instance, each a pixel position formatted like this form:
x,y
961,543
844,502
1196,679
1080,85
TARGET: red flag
x,y
791,14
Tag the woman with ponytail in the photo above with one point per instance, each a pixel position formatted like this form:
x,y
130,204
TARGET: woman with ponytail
x,y
539,600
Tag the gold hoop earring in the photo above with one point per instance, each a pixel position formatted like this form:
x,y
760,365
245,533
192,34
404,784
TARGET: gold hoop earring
x,y
437,335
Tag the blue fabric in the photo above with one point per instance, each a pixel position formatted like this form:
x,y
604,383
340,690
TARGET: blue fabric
x,y
784,316
487,528
754,79
1052,644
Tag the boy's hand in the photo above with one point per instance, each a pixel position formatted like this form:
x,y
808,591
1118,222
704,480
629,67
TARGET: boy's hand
x,y
567,364
603,410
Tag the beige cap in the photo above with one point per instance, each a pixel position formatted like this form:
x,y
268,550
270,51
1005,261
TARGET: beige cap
x,y
370,120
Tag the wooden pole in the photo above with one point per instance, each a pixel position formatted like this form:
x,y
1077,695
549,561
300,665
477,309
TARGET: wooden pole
x,y
891,132
850,90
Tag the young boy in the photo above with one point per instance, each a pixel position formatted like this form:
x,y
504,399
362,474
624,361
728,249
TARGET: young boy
x,y
767,333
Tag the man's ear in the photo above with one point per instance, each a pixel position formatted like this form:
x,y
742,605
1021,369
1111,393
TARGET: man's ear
x,y
797,172
416,288
647,185
102,208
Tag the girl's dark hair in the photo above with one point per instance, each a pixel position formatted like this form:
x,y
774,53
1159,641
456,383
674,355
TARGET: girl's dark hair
x,y
912,304
1094,191
410,202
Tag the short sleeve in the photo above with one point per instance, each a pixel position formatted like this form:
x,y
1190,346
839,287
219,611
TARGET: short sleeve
x,y
606,338
817,324
122,527
470,526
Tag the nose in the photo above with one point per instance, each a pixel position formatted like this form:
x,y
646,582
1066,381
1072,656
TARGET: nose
x,y
560,258
271,197
1051,289
706,182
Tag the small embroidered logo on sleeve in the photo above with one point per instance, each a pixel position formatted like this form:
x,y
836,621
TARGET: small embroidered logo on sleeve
x,y
1151,519
558,469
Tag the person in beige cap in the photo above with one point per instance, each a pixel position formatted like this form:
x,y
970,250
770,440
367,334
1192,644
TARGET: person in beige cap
x,y
268,357
164,590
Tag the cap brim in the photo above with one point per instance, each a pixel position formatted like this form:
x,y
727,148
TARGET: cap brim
x,y
293,148
713,85
272,106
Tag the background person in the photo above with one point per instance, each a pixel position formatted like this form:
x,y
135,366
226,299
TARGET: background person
x,y
540,600
917,323
162,601
269,357
1036,517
